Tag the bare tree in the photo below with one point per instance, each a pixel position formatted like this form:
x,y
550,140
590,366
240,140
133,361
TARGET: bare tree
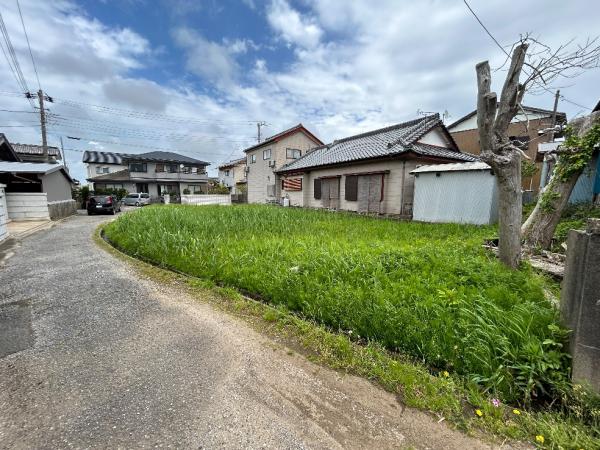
x,y
540,67
572,158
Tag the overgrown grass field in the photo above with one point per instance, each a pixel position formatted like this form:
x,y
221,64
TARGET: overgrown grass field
x,y
427,290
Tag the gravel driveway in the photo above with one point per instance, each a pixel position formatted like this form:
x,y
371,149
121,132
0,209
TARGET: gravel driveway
x,y
109,360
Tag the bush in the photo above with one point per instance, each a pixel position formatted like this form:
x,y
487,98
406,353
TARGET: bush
x,y
427,290
186,191
119,193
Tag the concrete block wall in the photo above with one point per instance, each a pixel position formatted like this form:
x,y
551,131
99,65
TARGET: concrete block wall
x,y
207,199
61,209
3,214
27,206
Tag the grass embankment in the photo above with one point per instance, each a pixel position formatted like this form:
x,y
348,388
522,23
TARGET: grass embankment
x,y
428,291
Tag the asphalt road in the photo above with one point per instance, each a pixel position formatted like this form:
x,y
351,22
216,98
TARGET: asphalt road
x,y
95,357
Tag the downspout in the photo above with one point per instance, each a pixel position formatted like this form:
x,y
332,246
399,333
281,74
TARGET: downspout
x,y
402,188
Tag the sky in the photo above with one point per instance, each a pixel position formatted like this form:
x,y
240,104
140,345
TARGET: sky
x,y
194,76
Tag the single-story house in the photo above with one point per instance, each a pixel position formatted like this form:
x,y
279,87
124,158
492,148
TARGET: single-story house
x,y
34,190
370,172
153,173
458,193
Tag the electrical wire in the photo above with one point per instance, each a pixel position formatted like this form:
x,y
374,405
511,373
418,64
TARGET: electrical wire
x,y
562,97
29,46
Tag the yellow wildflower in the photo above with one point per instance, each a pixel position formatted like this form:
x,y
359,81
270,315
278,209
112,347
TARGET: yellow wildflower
x,y
445,373
517,412
479,412
539,438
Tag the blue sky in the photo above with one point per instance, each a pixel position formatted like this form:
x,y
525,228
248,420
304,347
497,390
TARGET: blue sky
x,y
192,76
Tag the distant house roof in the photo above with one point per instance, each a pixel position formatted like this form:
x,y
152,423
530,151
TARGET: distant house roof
x,y
91,156
456,167
7,152
390,141
561,116
119,175
32,149
285,133
597,107
232,163
31,167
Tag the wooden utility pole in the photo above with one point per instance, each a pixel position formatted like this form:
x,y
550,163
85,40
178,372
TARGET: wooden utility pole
x,y
43,125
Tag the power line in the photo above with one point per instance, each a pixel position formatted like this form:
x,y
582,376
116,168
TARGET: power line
x,y
29,46
562,97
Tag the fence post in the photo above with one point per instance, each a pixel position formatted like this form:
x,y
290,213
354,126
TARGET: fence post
x,y
580,302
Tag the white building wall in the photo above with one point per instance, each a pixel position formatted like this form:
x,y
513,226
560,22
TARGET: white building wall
x,y
91,169
260,175
3,214
206,199
398,186
27,206
457,197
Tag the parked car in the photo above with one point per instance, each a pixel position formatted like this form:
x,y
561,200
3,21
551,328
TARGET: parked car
x,y
103,204
137,199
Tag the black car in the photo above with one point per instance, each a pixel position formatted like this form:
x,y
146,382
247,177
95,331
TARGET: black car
x,y
103,204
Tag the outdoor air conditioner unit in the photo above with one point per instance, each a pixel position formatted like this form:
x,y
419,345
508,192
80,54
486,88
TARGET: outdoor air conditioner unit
x,y
271,163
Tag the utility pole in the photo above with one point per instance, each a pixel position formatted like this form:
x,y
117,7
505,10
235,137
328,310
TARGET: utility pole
x,y
258,125
556,97
43,123
64,156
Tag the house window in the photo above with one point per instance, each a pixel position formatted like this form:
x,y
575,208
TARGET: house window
x,y
108,186
292,153
267,154
351,188
171,168
195,188
138,167
227,173
102,170
160,168
105,170
252,159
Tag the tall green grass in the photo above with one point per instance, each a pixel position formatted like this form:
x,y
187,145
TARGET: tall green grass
x,y
427,290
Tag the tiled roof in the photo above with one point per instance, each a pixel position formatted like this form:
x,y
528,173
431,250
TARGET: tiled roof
x,y
31,149
91,156
232,163
119,175
390,141
277,136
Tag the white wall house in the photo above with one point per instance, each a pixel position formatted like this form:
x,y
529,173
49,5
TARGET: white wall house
x,y
369,172
264,159
233,175
154,173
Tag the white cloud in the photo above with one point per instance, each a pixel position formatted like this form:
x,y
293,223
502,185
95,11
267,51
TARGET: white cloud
x,y
292,26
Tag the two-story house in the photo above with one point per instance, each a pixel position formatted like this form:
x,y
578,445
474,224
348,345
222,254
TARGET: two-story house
x,y
526,131
232,174
264,158
154,173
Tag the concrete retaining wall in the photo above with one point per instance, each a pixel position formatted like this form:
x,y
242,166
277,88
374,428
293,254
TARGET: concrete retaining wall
x,y
207,199
27,206
60,209
580,308
3,214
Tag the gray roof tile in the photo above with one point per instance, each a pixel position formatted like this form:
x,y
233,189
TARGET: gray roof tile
x,y
91,156
389,141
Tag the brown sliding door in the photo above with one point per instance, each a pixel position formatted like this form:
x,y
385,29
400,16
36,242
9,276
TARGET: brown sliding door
x,y
370,189
330,193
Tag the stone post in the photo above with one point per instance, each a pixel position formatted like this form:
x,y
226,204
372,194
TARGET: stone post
x,y
580,302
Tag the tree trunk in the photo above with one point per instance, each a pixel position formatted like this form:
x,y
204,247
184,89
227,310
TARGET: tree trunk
x,y
540,226
493,120
510,211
